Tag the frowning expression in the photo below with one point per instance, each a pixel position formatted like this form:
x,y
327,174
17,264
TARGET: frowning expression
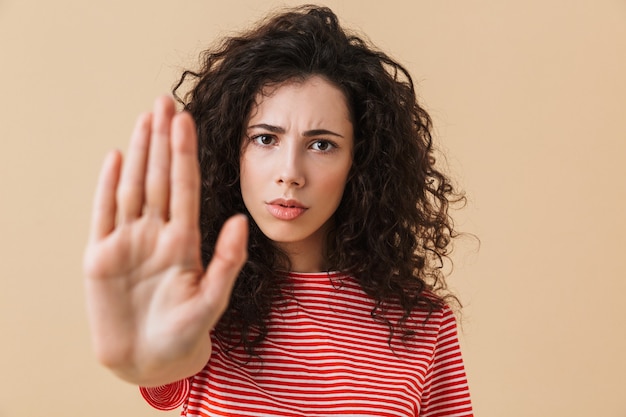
x,y
295,160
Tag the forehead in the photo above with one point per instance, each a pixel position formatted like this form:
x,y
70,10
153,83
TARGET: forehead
x,y
312,96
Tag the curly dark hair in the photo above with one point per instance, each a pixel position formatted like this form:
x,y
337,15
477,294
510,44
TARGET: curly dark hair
x,y
392,227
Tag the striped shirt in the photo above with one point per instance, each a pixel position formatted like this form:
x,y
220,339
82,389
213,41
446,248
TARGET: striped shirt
x,y
324,355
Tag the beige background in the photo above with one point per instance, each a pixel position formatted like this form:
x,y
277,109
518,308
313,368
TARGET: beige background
x,y
529,102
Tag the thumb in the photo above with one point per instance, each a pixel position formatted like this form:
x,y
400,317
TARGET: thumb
x,y
231,251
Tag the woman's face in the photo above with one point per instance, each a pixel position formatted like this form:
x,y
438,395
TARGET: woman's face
x,y
295,161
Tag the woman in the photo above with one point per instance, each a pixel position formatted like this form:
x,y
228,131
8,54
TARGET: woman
x,y
331,301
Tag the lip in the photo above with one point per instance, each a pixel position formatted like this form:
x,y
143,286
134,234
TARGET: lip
x,y
285,209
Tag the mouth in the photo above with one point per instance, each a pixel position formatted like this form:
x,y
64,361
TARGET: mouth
x,y
283,209
287,203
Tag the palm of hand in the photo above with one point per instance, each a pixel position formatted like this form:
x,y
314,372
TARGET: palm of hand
x,y
150,303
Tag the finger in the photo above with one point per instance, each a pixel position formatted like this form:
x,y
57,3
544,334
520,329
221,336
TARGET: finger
x,y
104,206
130,195
185,201
228,259
158,175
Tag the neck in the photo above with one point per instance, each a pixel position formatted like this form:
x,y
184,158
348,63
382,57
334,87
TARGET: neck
x,y
303,259
306,256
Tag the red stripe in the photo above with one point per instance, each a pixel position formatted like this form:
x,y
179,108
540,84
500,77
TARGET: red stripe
x,y
325,355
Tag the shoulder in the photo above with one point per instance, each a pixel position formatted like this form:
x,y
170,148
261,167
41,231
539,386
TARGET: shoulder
x,y
436,307
433,320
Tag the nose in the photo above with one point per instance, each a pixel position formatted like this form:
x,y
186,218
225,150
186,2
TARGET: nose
x,y
290,169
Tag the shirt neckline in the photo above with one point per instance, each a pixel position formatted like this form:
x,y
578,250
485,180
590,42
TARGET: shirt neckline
x,y
317,276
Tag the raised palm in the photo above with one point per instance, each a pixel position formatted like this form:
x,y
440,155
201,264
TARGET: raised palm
x,y
150,302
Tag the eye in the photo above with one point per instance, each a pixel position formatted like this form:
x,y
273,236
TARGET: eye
x,y
263,140
323,146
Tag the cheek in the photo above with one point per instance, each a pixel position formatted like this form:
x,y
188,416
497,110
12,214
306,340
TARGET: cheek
x,y
247,176
255,175
334,182
337,185
249,166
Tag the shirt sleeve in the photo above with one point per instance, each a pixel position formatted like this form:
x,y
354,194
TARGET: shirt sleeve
x,y
446,392
167,397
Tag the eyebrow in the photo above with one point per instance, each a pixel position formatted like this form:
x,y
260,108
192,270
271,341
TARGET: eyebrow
x,y
308,133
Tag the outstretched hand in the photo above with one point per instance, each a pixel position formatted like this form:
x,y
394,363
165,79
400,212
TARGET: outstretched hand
x,y
150,302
